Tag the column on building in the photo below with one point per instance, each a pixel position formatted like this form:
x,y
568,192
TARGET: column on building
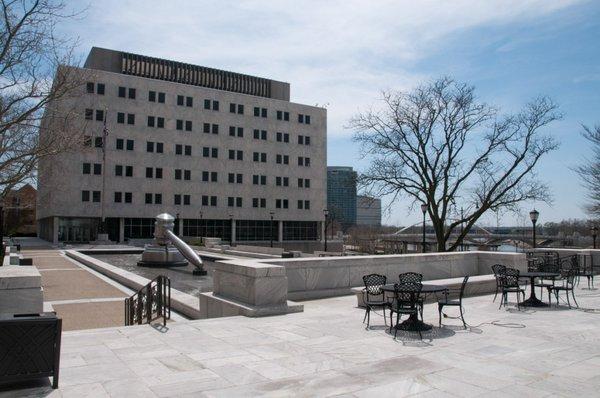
x,y
55,221
121,230
232,231
280,231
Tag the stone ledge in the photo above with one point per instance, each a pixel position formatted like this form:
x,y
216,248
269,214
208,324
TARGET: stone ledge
x,y
215,306
17,277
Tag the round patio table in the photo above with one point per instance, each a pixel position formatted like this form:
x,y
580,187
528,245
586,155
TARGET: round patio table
x,y
413,323
533,301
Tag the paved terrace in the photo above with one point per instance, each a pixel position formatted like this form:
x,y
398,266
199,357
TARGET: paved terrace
x,y
326,351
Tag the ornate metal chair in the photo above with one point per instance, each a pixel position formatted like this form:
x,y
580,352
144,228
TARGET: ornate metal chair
x,y
413,277
547,283
373,295
406,297
511,285
454,303
568,285
498,270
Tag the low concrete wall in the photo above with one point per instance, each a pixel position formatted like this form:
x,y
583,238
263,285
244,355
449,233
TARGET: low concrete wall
x,y
562,252
311,278
20,290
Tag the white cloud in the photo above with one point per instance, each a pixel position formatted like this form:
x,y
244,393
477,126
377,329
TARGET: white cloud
x,y
340,53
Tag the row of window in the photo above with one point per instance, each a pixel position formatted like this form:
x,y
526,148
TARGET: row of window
x,y
182,174
185,200
181,125
153,96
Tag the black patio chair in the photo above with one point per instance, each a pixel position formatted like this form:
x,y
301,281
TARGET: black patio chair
x,y
511,285
406,297
413,277
568,285
454,303
547,283
374,296
498,270
588,271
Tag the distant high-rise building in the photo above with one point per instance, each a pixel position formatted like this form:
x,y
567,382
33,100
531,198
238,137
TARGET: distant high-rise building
x,y
368,211
341,195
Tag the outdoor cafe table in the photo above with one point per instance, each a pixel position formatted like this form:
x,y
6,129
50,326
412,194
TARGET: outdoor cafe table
x,y
413,323
533,301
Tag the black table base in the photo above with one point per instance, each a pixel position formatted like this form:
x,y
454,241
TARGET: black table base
x,y
533,301
413,324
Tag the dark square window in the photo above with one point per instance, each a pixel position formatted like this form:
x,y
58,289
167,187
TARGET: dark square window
x,y
206,128
128,171
307,205
255,179
239,178
149,146
158,198
278,159
278,181
207,104
215,129
307,119
85,196
300,182
238,202
279,115
189,101
240,109
180,100
300,118
188,150
120,143
214,153
213,200
177,199
132,93
205,176
306,140
161,98
97,169
98,141
231,106
130,118
152,96
188,125
160,122
240,131
179,124
215,105
263,180
159,147
118,197
256,111
204,200
278,203
256,156
149,172
96,196
301,139
118,170
87,168
178,149
178,174
263,134
89,114
90,87
263,202
148,198
256,133
263,112
128,197
187,175
286,116
300,204
230,201
186,200
213,176
232,131
307,162
231,154
240,155
130,145
122,92
158,172
206,152
254,202
150,121
100,89
279,137
99,115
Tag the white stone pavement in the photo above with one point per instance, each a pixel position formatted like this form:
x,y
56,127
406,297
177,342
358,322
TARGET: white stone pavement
x,y
326,351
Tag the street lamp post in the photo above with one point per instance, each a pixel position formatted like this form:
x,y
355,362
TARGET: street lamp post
x,y
534,215
326,213
424,210
594,235
272,214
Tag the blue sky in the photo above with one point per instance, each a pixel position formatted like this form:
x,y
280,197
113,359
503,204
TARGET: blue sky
x,y
341,54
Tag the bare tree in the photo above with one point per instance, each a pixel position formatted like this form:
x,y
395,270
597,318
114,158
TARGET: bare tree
x,y
589,171
439,145
34,75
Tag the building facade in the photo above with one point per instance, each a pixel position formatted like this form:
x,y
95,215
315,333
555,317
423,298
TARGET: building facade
x,y
368,211
228,154
341,195
18,211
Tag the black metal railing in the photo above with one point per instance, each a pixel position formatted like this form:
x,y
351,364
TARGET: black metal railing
x,y
149,303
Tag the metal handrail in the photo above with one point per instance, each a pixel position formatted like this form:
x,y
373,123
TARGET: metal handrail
x,y
149,303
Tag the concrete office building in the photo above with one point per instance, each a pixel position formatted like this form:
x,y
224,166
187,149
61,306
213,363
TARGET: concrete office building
x,y
223,151
368,211
341,195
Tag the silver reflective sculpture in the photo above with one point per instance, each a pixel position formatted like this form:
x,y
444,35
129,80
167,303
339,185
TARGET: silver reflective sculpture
x,y
168,250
